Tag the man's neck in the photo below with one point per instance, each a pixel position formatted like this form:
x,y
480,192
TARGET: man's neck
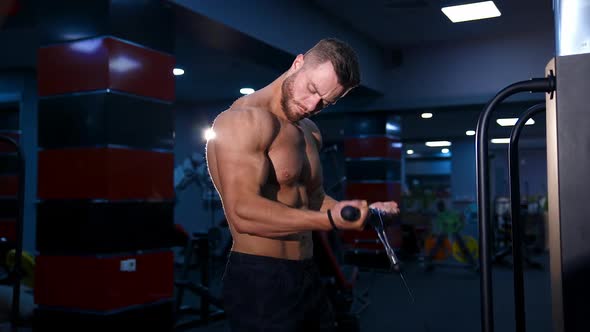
x,y
267,98
274,97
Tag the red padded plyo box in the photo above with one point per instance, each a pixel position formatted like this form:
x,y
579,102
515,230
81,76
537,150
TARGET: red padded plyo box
x,y
8,185
10,8
8,229
105,173
156,317
374,191
7,147
372,146
104,283
105,63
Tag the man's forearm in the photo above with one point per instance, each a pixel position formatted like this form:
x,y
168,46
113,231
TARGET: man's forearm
x,y
327,203
260,216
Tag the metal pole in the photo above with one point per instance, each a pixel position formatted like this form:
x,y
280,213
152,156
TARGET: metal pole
x,y
517,228
483,190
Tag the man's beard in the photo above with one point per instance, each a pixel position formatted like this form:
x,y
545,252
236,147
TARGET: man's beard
x,y
287,103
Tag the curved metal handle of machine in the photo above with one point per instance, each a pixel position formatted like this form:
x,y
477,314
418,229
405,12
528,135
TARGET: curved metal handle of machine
x,y
517,228
547,85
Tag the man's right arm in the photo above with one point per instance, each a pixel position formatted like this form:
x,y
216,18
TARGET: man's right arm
x,y
242,138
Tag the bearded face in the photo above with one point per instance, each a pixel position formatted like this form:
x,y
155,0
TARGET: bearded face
x,y
308,90
290,107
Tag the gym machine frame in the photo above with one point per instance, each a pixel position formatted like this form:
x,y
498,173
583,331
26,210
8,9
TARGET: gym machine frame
x,y
546,85
198,242
567,130
517,227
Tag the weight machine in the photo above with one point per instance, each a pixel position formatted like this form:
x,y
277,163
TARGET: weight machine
x,y
200,246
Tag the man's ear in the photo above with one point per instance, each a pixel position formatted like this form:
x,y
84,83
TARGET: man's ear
x,y
297,63
346,92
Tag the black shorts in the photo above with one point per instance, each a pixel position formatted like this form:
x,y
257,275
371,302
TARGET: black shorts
x,y
269,294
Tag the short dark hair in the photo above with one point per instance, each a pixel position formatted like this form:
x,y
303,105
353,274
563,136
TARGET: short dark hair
x,y
343,58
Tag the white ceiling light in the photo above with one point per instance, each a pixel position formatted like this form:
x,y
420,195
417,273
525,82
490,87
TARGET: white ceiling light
x,y
470,132
246,91
500,140
391,126
426,115
471,11
507,122
397,145
410,152
445,150
178,71
436,144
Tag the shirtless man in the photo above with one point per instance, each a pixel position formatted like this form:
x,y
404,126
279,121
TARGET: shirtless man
x,y
265,164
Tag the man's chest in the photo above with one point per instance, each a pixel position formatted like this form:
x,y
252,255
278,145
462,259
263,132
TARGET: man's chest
x,y
294,157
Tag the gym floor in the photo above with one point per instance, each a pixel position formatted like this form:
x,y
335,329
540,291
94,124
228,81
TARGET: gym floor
x,y
446,300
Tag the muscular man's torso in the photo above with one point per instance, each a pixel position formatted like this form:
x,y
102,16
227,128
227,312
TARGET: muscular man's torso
x,y
294,168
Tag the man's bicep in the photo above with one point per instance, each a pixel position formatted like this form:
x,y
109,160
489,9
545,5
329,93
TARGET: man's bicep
x,y
242,165
242,172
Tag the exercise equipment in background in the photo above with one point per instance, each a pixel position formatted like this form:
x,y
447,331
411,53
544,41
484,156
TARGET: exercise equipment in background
x,y
447,240
28,267
472,246
196,256
443,251
18,251
503,235
193,170
340,282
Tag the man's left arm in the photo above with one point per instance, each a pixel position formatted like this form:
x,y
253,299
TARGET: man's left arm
x,y
320,201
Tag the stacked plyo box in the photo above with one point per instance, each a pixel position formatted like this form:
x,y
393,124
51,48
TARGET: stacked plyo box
x,y
372,149
105,164
9,172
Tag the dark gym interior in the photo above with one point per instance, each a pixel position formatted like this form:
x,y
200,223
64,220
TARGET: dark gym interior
x,y
478,129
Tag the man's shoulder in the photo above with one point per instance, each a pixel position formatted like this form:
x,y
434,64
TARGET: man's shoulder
x,y
258,124
247,115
